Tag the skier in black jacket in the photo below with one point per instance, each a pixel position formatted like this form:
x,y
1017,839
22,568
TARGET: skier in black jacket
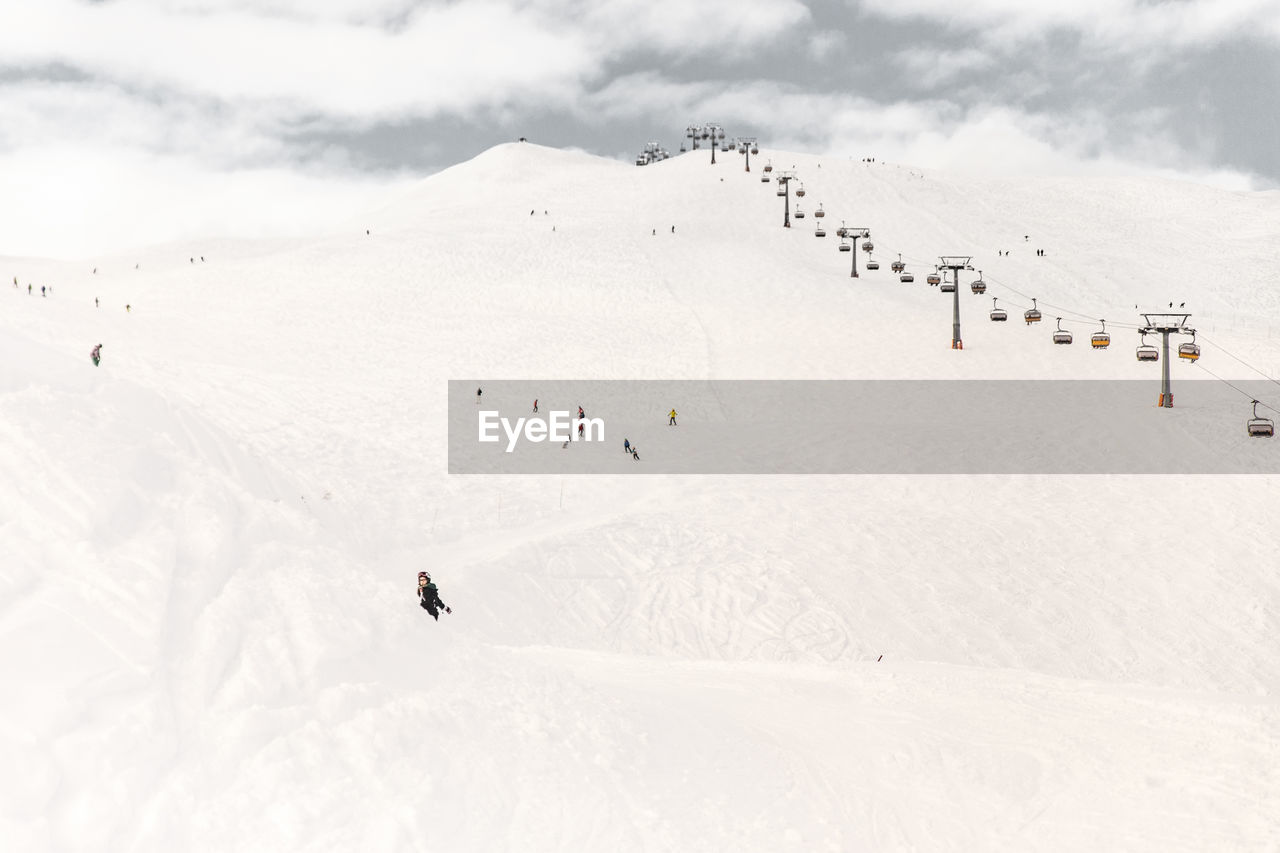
x,y
429,597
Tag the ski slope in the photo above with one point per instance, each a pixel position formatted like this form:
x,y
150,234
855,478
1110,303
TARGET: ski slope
x,y
208,633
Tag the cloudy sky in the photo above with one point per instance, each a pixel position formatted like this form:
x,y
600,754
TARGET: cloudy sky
x,y
131,122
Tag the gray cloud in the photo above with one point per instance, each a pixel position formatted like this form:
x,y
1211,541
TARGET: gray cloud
x,y
366,91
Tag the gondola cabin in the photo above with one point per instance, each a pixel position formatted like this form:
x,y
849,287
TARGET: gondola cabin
x,y
1259,427
1032,314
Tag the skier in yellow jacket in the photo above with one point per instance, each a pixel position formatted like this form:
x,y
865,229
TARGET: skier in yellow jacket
x,y
672,422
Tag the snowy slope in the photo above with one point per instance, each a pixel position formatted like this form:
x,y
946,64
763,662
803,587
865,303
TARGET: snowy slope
x,y
209,639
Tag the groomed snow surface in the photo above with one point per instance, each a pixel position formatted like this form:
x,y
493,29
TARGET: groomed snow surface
x,y
209,634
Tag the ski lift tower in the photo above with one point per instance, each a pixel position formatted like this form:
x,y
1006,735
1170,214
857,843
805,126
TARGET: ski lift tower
x,y
747,146
709,131
854,232
1166,325
955,263
784,181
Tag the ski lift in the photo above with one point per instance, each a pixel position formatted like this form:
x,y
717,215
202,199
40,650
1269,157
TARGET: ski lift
x,y
755,150
1259,427
764,179
898,265
873,265
867,246
845,247
799,212
998,314
933,277
800,191
819,212
1101,340
1032,314
682,148
782,190
768,167
948,286
819,231
1190,351
1062,336
979,286
906,278
1146,352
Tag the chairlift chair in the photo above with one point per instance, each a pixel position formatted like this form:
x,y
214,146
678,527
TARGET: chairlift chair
x,y
1062,336
755,150
873,265
1190,351
1259,427
764,179
782,190
819,231
898,265
800,191
948,286
998,314
1146,352
979,286
1101,340
819,212
867,246
799,212
906,278
1032,314
768,167
933,278
845,247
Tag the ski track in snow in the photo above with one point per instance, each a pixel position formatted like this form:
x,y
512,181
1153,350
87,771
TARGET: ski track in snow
x,y
208,635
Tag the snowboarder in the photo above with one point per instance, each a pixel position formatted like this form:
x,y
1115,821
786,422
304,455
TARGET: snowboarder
x,y
626,445
429,597
96,354
672,416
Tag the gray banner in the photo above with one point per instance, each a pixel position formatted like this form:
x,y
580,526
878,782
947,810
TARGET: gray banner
x,y
855,427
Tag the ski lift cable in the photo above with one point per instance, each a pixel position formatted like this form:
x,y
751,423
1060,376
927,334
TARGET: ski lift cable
x,y
1238,389
1220,348
1078,315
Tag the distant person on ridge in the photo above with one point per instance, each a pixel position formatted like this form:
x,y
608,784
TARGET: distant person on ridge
x,y
672,416
429,597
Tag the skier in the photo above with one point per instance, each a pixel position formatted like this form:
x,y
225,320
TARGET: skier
x,y
535,405
672,416
429,597
580,425
635,454
42,293
478,393
28,290
95,302
581,414
626,445
96,354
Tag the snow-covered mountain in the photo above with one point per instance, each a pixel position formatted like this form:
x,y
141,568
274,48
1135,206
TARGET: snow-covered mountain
x,y
209,637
